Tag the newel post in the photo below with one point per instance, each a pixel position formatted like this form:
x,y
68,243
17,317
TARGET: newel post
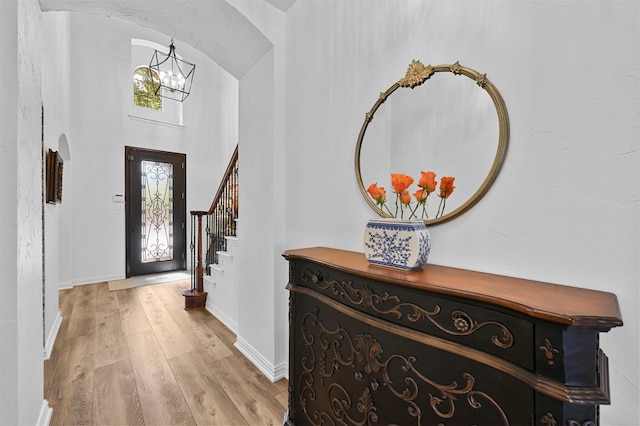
x,y
196,297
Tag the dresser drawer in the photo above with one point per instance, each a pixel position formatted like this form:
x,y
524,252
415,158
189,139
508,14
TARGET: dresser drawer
x,y
498,333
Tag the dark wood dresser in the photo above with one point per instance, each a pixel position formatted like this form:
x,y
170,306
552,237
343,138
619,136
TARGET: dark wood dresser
x,y
371,345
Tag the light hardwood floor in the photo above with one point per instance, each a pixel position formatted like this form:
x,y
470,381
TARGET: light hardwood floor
x,y
136,357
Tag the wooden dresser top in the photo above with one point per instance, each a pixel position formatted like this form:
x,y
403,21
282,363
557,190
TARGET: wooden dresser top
x,y
550,302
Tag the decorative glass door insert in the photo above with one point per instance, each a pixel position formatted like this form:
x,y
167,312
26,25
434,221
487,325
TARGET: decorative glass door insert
x,y
157,211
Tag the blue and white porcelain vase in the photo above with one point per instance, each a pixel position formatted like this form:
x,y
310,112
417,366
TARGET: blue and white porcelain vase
x,y
403,244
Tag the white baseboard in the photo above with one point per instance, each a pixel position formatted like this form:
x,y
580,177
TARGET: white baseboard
x,y
51,338
273,373
45,414
281,371
99,279
229,322
67,285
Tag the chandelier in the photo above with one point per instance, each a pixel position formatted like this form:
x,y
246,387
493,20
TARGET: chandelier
x,y
175,74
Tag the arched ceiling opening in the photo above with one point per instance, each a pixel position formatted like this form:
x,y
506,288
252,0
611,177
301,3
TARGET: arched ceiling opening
x,y
213,27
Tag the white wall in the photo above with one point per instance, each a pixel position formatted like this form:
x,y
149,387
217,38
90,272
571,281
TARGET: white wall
x,y
100,127
564,209
21,321
8,213
55,101
256,328
262,227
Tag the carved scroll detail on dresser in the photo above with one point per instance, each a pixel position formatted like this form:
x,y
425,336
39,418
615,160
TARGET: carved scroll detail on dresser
x,y
330,349
389,304
549,351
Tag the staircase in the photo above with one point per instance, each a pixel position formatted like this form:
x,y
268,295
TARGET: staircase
x,y
218,282
222,285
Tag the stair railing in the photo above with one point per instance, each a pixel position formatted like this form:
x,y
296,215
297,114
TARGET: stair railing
x,y
223,213
221,223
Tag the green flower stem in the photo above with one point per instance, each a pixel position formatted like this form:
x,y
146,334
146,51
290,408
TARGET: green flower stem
x,y
442,207
389,211
413,212
439,207
401,213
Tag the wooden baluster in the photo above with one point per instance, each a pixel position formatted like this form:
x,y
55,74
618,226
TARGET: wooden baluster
x,y
196,297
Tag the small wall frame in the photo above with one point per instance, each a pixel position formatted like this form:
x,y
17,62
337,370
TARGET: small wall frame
x,y
54,167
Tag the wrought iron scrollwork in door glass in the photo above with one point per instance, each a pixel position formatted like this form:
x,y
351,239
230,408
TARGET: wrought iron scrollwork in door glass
x,y
157,211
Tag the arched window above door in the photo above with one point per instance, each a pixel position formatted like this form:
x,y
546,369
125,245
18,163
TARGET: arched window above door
x,y
145,85
145,104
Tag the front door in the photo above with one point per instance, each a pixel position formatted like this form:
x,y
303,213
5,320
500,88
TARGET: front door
x,y
155,210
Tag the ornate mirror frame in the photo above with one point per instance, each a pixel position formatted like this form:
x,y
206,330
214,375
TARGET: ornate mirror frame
x,y
417,74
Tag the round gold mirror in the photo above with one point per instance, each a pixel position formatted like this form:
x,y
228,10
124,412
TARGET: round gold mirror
x,y
447,127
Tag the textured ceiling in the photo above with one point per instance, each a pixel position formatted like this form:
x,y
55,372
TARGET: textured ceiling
x,y
213,27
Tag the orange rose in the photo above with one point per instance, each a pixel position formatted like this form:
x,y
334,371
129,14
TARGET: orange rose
x,y
405,198
446,186
421,195
428,182
377,193
400,182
